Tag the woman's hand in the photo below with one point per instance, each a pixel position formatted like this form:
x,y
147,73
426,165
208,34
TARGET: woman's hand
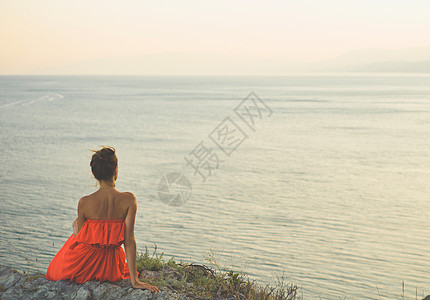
x,y
145,286
75,227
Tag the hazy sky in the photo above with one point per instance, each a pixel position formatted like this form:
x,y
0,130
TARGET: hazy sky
x,y
42,33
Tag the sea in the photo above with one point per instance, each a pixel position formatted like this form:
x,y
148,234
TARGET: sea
x,y
320,180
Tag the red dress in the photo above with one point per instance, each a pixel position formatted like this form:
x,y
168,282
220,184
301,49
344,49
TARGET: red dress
x,y
95,254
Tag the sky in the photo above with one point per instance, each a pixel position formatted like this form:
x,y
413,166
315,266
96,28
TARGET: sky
x,y
44,33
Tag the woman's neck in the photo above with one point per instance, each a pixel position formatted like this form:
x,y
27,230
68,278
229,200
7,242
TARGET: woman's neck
x,y
107,184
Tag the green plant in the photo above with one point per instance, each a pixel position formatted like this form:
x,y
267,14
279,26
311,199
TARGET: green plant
x,y
153,263
234,277
203,282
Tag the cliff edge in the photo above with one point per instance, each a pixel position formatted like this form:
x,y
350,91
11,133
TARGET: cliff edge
x,y
16,285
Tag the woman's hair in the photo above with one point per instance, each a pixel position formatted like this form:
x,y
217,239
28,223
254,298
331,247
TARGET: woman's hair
x,y
103,163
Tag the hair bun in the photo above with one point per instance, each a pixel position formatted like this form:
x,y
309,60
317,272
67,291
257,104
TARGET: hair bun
x,y
103,163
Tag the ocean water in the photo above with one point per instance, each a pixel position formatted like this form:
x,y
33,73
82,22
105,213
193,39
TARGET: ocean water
x,y
330,191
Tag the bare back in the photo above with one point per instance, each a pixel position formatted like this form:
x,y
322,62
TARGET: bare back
x,y
108,204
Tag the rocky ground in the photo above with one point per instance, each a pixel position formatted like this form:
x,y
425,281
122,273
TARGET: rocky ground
x,y
16,285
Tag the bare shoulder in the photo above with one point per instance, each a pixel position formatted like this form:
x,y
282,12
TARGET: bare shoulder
x,y
87,198
129,195
130,198
84,199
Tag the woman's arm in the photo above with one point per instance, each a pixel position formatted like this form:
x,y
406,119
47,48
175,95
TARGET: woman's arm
x,y
130,247
77,224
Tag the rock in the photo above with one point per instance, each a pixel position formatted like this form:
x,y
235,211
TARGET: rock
x,y
15,285
82,294
8,277
171,272
168,272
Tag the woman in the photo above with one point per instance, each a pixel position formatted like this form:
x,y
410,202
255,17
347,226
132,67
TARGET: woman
x,y
105,221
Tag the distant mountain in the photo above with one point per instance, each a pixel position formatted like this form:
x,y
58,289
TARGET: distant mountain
x,y
379,60
389,67
366,60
